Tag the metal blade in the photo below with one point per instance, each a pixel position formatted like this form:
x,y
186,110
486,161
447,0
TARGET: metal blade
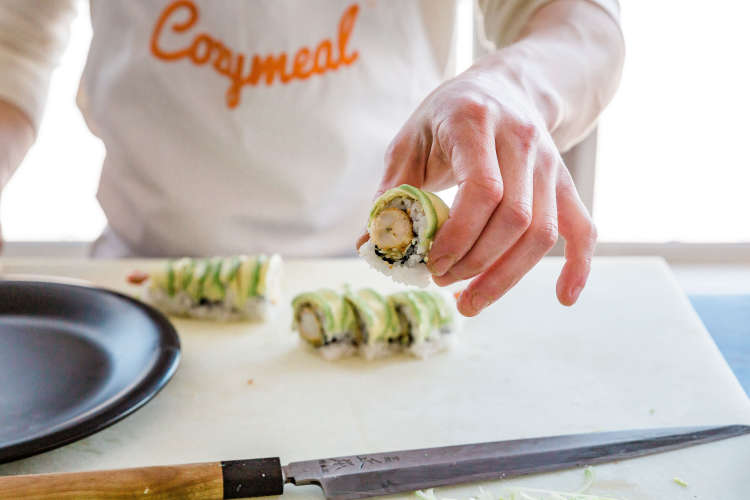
x,y
360,476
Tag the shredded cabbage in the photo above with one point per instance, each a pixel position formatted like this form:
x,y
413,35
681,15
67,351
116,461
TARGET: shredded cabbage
x,y
680,482
588,480
532,493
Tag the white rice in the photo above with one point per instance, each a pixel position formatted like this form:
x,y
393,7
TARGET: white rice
x,y
334,350
181,304
434,345
410,273
378,350
413,271
381,350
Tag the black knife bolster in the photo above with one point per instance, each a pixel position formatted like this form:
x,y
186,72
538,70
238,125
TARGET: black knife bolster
x,y
258,477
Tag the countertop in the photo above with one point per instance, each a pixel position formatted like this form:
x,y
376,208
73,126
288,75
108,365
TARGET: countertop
x,y
631,354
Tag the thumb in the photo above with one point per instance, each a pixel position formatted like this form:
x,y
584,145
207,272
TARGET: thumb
x,y
404,163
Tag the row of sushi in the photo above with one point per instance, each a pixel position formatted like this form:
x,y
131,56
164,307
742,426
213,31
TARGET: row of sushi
x,y
244,287
367,323
402,225
337,324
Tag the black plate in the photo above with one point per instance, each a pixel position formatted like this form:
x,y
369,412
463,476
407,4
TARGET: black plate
x,y
74,360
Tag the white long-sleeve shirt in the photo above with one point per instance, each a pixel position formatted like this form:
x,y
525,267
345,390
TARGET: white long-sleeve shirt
x,y
242,126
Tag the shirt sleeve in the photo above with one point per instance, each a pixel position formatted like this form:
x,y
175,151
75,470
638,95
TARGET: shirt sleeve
x,y
33,35
503,20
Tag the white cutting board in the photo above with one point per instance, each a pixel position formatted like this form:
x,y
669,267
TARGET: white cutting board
x,y
631,354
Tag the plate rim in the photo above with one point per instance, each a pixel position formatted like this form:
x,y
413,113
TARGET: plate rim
x,y
116,408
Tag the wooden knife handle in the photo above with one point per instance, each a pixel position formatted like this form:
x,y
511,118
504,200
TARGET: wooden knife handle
x,y
207,481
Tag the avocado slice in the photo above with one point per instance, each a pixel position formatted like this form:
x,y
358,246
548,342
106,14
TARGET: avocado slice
x,y
416,325
193,289
213,288
260,267
229,270
187,268
383,324
170,279
430,306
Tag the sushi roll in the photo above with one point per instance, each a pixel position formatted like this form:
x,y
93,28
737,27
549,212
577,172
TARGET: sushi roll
x,y
326,321
378,328
427,321
221,288
402,225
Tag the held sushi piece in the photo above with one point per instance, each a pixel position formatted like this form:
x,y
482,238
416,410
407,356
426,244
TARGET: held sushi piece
x,y
243,287
402,226
427,321
378,328
326,321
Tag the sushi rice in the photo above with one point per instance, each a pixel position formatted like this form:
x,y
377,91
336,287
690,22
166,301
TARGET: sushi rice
x,y
402,226
378,327
326,321
221,288
371,325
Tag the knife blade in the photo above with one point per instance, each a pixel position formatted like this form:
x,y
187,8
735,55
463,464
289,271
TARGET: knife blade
x,y
361,476
366,475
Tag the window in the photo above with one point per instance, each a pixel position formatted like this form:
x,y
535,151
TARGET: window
x,y
671,166
52,194
672,163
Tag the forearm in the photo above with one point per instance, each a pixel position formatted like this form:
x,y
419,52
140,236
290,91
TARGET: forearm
x,y
16,136
568,61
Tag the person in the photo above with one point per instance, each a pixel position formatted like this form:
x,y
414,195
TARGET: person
x,y
235,127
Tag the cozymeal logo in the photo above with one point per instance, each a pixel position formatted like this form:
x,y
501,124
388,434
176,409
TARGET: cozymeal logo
x,y
243,70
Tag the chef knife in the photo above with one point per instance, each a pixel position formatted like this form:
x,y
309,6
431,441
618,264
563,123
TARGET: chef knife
x,y
367,475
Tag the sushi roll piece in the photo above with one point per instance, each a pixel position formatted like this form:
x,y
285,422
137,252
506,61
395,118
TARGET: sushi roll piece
x,y
326,321
427,321
378,327
243,287
402,225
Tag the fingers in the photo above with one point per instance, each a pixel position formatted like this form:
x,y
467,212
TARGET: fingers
x,y
509,221
516,262
405,161
473,160
579,232
360,241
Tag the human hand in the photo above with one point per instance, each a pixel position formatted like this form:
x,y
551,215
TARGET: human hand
x,y
486,135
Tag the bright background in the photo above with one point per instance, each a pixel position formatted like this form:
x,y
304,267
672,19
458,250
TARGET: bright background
x,y
672,164
52,194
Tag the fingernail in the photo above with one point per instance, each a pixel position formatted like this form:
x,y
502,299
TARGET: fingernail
x,y
575,292
441,265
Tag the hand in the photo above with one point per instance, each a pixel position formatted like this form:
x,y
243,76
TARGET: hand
x,y
485,134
